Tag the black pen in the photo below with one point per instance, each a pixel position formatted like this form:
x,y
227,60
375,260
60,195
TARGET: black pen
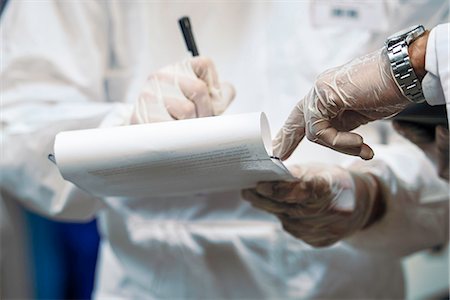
x,y
186,28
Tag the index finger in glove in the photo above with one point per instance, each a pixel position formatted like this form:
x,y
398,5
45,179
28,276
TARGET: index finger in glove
x,y
291,134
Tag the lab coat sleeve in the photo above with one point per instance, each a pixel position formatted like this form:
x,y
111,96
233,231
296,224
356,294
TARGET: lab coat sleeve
x,y
54,55
435,84
416,203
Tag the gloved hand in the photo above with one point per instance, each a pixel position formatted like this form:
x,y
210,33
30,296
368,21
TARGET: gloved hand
x,y
189,89
324,204
435,147
342,99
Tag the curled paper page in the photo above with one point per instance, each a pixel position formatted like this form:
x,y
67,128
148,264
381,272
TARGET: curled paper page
x,y
170,158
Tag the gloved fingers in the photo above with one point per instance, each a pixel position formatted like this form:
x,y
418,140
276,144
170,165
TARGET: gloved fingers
x,y
266,204
413,132
261,202
306,197
316,190
331,222
198,80
222,94
291,134
197,91
308,192
321,131
304,225
354,151
351,143
318,240
442,144
349,119
289,192
222,98
342,99
323,242
180,108
147,110
292,210
183,97
315,236
198,67
205,70
184,90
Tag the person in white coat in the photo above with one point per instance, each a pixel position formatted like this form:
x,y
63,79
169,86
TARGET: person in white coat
x,y
72,65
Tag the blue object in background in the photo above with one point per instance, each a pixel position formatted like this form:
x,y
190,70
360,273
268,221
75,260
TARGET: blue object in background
x,y
63,256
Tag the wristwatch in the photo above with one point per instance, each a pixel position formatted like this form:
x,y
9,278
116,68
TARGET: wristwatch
x,y
397,50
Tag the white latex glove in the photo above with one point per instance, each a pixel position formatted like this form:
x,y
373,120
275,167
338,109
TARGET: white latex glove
x,y
189,89
342,99
324,205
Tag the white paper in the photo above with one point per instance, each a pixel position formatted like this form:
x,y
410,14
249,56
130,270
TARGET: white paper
x,y
170,158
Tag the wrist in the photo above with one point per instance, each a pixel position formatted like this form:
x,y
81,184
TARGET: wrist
x,y
417,51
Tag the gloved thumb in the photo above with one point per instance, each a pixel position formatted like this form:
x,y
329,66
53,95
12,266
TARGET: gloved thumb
x,y
222,97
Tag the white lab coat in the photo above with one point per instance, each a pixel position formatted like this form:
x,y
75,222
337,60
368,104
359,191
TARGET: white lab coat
x,y
78,64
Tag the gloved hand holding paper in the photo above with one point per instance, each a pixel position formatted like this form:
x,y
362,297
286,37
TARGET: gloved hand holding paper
x,y
170,158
